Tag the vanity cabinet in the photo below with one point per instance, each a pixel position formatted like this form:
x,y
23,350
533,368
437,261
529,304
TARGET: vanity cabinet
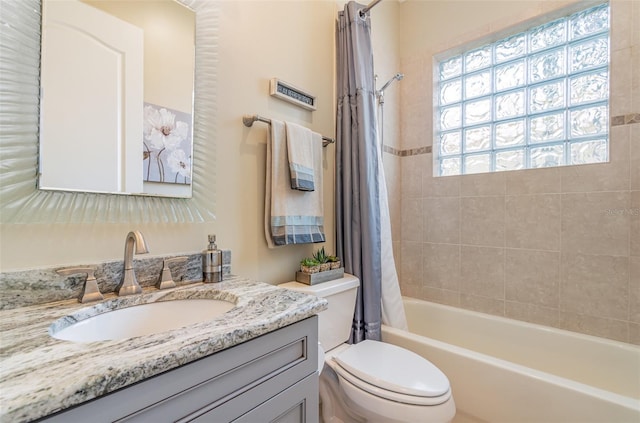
x,y
271,378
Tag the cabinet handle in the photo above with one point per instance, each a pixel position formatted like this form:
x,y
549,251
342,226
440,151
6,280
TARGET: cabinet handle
x,y
90,291
166,279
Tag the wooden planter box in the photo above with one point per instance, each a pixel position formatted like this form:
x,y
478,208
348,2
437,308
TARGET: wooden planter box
x,y
319,277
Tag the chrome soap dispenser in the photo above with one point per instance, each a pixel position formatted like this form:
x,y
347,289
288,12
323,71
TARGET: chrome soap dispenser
x,y
212,262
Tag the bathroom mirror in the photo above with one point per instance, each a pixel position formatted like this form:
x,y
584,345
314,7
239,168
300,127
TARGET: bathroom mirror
x,y
116,94
20,199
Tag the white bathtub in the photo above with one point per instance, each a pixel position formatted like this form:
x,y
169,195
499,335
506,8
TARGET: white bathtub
x,y
504,370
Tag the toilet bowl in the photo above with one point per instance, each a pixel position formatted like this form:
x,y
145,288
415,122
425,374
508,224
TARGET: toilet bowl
x,y
372,381
385,383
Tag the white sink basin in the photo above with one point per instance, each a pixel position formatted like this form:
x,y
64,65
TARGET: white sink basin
x,y
144,319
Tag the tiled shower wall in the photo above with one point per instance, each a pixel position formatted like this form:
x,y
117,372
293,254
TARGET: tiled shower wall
x,y
558,246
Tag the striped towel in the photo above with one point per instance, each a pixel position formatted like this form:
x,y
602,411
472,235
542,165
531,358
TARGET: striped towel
x,y
300,150
291,216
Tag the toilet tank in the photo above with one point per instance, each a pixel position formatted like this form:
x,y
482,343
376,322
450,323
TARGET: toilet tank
x,y
334,324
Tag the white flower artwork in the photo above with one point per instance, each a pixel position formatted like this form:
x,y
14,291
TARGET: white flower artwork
x,y
167,145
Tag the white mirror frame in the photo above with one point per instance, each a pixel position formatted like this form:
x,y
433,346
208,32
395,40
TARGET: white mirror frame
x,y
22,202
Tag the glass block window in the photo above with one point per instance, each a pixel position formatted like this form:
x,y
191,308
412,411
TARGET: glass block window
x,y
538,98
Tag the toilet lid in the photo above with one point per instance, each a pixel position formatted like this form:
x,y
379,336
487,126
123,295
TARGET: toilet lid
x,y
393,369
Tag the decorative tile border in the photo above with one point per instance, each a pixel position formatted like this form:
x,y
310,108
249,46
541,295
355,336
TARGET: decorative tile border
x,y
628,119
409,152
391,150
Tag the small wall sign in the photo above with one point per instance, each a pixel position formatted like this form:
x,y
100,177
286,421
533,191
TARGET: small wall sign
x,y
285,91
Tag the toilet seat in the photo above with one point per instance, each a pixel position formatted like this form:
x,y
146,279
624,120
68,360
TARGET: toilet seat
x,y
372,367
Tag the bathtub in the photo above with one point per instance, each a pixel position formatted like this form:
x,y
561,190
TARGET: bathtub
x,y
504,370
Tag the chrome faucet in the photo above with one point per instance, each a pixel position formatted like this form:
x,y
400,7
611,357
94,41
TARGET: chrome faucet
x,y
129,284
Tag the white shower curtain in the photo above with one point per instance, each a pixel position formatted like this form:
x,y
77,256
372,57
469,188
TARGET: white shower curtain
x,y
392,306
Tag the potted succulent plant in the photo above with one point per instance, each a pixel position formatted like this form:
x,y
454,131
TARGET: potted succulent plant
x,y
321,257
309,265
334,262
319,268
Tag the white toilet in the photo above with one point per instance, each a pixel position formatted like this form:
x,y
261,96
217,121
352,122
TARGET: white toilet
x,y
372,381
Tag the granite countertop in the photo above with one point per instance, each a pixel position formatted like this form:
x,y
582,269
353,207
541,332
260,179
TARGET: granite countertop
x,y
40,375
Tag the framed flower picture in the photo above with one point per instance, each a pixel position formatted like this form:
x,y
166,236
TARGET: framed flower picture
x,y
167,145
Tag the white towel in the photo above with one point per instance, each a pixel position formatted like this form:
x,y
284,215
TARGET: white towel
x,y
300,151
291,216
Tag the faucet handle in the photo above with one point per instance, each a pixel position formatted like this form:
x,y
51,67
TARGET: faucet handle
x,y
166,279
90,290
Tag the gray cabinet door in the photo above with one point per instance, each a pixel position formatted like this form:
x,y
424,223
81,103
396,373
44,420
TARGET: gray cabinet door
x,y
224,386
296,404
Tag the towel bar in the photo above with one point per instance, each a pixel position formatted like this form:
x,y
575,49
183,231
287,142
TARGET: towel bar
x,y
249,119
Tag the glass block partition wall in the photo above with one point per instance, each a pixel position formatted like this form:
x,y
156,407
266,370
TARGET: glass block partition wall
x,y
539,98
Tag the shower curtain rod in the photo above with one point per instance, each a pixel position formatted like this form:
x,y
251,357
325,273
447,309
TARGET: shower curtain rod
x,y
249,119
369,7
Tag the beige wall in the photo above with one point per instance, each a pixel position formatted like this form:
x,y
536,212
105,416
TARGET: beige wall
x,y
561,246
256,43
260,40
